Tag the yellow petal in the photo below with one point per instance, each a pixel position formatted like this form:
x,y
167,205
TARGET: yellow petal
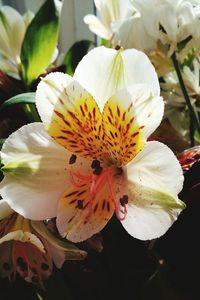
x,y
76,122
123,136
77,219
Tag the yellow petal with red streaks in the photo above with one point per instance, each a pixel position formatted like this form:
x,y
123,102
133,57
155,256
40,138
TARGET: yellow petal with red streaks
x,y
123,134
77,219
75,121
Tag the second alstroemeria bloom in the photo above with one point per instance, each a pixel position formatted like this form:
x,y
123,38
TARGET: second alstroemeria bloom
x,y
100,162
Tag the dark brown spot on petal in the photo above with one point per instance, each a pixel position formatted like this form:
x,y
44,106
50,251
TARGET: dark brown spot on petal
x,y
82,111
135,134
103,204
123,116
73,201
71,194
118,111
21,264
112,135
81,193
109,120
71,219
45,266
86,107
95,208
110,111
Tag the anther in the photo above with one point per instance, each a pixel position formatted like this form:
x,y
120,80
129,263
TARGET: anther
x,y
80,204
124,200
98,171
117,47
95,164
72,159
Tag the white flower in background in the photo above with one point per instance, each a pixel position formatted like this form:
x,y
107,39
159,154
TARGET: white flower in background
x,y
170,21
91,157
111,13
176,110
12,30
131,33
29,248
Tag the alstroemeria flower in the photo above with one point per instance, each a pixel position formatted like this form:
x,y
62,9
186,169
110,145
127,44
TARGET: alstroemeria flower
x,y
12,30
99,162
170,21
189,157
111,13
29,249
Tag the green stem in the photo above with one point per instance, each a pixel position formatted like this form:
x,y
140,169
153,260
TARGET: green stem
x,y
193,117
31,113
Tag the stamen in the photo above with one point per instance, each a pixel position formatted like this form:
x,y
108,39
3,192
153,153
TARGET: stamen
x,y
117,208
78,180
99,178
97,183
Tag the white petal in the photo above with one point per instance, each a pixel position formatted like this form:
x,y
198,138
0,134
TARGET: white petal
x,y
12,30
8,67
149,109
154,180
28,17
132,34
35,172
147,222
5,209
156,167
48,92
96,26
60,250
104,71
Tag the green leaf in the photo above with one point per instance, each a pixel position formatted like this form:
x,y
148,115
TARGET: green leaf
x,y
40,42
25,98
197,137
75,54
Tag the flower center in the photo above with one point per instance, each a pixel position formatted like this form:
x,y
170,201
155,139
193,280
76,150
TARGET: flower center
x,y
97,181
